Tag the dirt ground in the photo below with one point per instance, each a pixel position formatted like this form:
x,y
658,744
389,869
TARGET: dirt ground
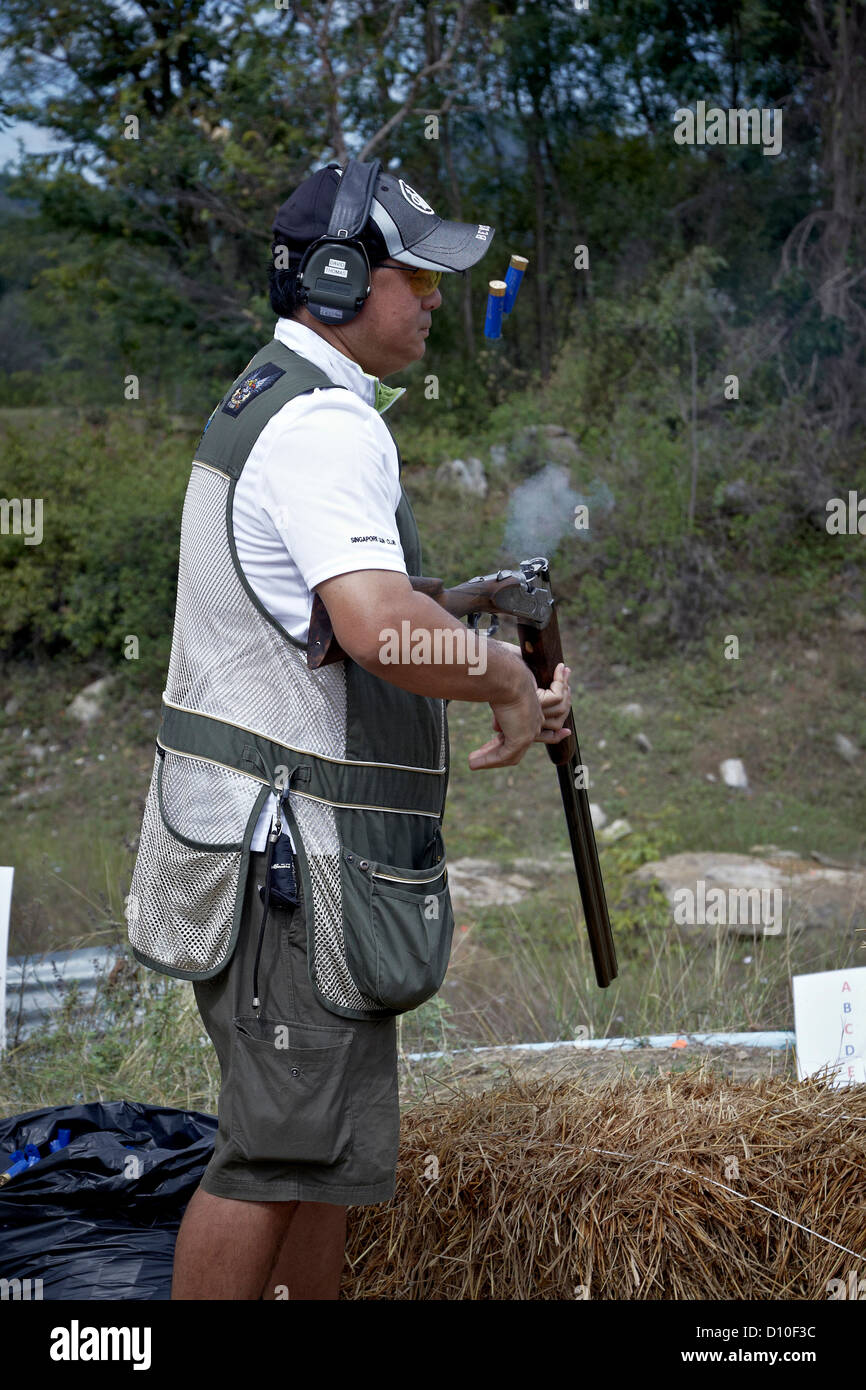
x,y
471,1073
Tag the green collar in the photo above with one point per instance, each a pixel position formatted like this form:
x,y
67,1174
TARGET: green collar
x,y
385,395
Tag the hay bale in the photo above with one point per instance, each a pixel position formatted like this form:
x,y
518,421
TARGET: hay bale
x,y
646,1188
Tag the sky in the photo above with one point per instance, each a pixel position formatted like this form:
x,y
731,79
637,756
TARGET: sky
x,y
35,140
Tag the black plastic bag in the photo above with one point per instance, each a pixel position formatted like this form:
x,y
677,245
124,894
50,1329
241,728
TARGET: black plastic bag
x,y
98,1219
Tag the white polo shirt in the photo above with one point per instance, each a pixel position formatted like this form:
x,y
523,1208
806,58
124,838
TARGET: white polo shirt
x,y
318,493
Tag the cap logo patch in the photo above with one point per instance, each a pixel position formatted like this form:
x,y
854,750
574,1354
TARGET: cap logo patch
x,y
415,199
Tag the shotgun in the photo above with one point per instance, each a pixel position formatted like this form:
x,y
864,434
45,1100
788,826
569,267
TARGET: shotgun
x,y
525,596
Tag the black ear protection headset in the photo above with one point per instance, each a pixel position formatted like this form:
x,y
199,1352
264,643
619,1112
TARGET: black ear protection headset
x,y
334,277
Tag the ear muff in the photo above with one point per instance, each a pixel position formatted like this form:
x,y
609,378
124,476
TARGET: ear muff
x,y
334,275
334,280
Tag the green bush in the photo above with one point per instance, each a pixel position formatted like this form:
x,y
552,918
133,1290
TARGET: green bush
x,y
106,568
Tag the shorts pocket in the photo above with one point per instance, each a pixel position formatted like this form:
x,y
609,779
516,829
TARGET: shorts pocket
x,y
290,1098
398,928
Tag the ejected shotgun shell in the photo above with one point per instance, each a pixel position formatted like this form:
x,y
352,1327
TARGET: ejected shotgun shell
x,y
13,1171
493,317
513,277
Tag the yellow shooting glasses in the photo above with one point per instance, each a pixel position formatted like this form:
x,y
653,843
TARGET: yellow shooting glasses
x,y
421,282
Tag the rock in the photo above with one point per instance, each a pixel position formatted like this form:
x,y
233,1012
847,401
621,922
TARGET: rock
x,y
599,819
552,441
87,705
733,773
810,895
11,706
481,883
845,748
36,751
811,655
617,830
466,474
543,866
643,743
498,455
711,777
562,448
852,620
633,710
535,446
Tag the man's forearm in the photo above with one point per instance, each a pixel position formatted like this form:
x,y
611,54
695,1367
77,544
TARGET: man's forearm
x,y
469,667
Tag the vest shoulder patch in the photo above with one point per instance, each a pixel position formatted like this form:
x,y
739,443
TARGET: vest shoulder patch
x,y
252,386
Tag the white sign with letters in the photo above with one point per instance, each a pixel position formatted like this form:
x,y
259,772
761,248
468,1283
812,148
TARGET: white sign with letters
x,y
830,1021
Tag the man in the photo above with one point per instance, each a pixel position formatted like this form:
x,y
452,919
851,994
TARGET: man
x,y
308,475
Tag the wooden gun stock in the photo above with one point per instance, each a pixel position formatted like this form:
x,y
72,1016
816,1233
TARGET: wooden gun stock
x,y
542,652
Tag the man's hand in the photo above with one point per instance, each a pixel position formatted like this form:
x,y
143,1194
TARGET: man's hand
x,y
534,716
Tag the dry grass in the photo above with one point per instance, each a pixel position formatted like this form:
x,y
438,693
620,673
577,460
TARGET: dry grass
x,y
637,1190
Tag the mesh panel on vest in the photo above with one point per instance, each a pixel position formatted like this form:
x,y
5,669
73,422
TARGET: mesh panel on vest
x,y
227,656
206,802
181,900
318,826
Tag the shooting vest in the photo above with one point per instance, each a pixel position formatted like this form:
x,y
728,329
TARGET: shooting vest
x,y
362,765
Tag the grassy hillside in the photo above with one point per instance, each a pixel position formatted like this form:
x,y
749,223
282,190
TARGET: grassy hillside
x,y
648,605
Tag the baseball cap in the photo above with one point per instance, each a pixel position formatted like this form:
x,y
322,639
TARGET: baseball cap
x,y
402,225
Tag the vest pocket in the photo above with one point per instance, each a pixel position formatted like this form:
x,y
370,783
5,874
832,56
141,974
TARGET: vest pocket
x,y
290,1100
190,872
398,925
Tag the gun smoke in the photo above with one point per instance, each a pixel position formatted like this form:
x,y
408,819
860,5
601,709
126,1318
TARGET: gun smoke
x,y
541,513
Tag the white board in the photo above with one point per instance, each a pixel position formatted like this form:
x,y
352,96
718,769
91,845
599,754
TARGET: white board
x,y
6,876
830,1023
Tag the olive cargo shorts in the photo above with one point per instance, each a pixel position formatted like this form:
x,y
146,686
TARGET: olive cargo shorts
x,y
308,1107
